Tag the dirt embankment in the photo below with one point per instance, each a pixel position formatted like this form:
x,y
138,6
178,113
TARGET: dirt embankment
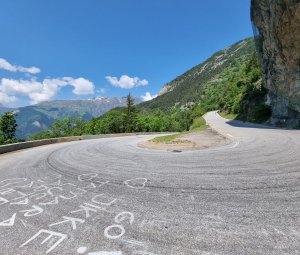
x,y
207,138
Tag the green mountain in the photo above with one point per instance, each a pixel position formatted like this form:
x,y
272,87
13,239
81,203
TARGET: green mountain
x,y
190,88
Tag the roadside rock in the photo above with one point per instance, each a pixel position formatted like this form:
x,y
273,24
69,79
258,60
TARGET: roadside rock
x,y
277,30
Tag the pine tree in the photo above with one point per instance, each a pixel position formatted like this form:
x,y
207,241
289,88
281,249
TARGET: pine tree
x,y
130,116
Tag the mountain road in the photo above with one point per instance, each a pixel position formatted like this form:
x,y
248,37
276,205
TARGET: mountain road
x,y
111,197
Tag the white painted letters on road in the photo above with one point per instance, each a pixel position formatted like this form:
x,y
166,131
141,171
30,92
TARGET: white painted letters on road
x,y
68,219
123,216
3,201
32,212
86,210
116,228
50,234
8,182
87,177
105,253
98,199
9,222
137,183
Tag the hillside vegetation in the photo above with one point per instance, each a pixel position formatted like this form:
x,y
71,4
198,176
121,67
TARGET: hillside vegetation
x,y
241,93
189,87
230,80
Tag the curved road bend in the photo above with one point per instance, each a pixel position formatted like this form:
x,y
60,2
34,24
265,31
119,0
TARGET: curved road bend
x,y
111,197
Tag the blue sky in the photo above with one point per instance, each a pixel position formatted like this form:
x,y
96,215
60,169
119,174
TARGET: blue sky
x,y
71,49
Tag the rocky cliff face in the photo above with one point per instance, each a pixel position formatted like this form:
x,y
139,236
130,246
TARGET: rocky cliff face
x,y
277,29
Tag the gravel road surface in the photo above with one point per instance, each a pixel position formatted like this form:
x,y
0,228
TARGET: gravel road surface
x,y
110,197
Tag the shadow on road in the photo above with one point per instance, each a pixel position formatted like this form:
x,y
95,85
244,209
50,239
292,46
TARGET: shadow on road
x,y
238,123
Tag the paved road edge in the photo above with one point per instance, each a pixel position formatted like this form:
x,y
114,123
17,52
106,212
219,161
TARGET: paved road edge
x,y
26,145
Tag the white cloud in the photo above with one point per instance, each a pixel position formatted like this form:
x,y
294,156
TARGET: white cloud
x,y
126,82
31,70
148,96
4,64
38,91
7,66
81,86
6,99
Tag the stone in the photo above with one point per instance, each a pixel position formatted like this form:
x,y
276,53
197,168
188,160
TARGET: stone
x,y
276,25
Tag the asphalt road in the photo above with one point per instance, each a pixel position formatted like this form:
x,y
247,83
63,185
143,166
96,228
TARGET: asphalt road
x,y
111,197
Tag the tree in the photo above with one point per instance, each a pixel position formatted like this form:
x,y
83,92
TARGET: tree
x,y
130,116
8,127
111,122
63,127
66,127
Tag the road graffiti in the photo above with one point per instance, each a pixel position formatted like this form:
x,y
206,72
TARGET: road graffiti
x,y
137,183
30,199
82,250
106,253
70,220
9,222
51,234
117,228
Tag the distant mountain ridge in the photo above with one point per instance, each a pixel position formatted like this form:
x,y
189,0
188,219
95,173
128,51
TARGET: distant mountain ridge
x,y
3,109
35,118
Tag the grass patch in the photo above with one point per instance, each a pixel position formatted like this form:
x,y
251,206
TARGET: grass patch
x,y
167,139
229,116
199,124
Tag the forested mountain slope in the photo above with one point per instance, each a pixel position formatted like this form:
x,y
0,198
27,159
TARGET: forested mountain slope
x,y
190,86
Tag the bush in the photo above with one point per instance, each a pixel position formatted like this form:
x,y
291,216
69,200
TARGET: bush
x,y
8,127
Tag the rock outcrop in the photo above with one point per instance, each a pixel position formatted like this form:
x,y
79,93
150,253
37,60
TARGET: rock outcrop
x,y
276,26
